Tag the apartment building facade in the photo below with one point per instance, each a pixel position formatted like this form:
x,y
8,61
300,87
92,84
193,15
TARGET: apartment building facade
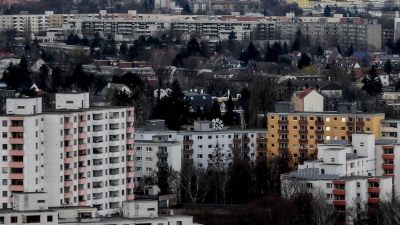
x,y
199,145
299,133
79,155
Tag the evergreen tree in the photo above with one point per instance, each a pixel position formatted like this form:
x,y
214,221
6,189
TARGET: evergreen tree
x,y
304,61
350,51
339,49
232,36
327,11
203,50
372,82
215,110
187,9
43,77
110,46
388,68
229,117
285,48
252,51
289,87
193,47
56,79
320,50
96,41
297,41
85,41
232,41
123,48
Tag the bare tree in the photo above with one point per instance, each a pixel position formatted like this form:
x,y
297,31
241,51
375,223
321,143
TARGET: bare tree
x,y
322,213
194,182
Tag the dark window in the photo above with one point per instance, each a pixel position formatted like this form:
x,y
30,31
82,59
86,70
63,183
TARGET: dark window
x,y
49,218
14,219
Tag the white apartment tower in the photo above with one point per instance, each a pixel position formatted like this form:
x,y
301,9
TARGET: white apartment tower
x,y
80,156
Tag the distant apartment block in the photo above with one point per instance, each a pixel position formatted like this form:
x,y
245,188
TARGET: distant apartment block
x,y
79,155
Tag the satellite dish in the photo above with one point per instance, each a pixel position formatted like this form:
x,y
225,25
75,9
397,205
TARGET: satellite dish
x,y
218,124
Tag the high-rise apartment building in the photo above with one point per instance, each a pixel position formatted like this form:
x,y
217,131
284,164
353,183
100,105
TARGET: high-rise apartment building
x,y
79,155
299,133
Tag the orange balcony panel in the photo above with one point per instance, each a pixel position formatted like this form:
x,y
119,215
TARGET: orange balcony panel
x,y
372,180
82,135
82,124
373,200
68,172
387,166
338,192
187,142
68,195
387,156
130,174
388,175
339,182
68,148
130,163
82,181
82,169
68,125
17,141
82,203
11,199
130,152
16,129
374,190
16,187
68,137
130,197
16,176
82,192
82,158
387,146
82,147
67,115
82,114
16,164
130,130
68,183
130,119
339,202
17,118
130,141
68,160
130,185
16,152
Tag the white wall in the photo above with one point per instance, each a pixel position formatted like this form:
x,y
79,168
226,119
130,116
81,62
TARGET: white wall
x,y
72,101
313,102
24,106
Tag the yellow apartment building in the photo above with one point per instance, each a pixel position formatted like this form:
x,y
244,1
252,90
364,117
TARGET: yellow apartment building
x,y
299,133
301,3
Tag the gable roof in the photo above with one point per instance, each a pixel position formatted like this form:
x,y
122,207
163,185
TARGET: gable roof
x,y
112,86
331,87
24,85
304,93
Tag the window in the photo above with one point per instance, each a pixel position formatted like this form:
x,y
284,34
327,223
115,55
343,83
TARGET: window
x,y
210,137
14,219
4,146
151,209
4,123
272,117
368,119
49,218
332,159
328,196
294,127
4,158
294,136
199,156
343,119
358,184
328,129
309,185
61,120
149,159
199,146
328,185
139,149
199,137
138,169
138,159
4,193
149,149
149,169
4,134
200,165
295,118
327,119
20,107
209,146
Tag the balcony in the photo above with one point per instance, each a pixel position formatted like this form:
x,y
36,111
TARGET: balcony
x,y
130,130
18,141
68,183
82,124
388,156
374,200
16,176
283,131
387,166
303,150
82,169
339,202
130,152
187,142
16,129
283,150
349,133
82,146
130,119
350,124
262,149
241,150
241,140
68,160
319,123
303,122
283,122
130,174
339,182
338,192
82,158
319,141
68,172
16,164
162,164
130,163
130,197
359,124
18,188
69,148
162,154
374,190
283,140
130,141
68,194
261,140
130,185
319,132
83,203
68,125
82,192
82,135
16,152
303,141
11,199
82,180
68,137
303,131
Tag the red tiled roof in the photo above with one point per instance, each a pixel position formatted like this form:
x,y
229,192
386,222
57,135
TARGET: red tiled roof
x,y
305,92
6,55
